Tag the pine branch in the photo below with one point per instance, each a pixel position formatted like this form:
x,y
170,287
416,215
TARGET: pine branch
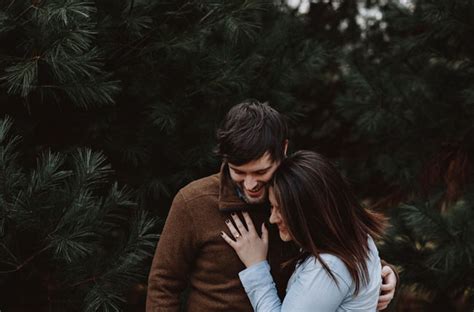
x,y
90,168
92,93
128,268
426,223
74,245
440,246
67,12
22,78
25,262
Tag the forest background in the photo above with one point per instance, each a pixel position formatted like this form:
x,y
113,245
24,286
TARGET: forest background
x,y
108,107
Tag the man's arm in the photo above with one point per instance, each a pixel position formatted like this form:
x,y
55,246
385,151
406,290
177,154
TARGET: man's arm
x,y
390,280
172,261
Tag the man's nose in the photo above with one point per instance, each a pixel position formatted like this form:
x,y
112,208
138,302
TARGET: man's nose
x,y
250,183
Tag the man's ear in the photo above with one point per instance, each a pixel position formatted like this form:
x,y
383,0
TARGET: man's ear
x,y
285,147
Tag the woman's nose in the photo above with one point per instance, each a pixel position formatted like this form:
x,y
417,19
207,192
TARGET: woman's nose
x,y
273,217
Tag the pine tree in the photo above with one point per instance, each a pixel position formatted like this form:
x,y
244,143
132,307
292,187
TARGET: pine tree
x,y
163,75
408,98
54,52
147,82
70,240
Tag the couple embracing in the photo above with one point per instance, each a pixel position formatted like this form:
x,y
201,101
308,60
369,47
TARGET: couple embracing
x,y
320,256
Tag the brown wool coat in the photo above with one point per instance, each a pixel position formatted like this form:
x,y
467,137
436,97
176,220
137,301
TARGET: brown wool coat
x,y
192,253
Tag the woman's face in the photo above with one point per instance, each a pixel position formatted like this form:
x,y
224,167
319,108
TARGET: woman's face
x,y
277,219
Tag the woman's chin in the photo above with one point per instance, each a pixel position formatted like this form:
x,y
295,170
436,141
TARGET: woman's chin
x,y
285,236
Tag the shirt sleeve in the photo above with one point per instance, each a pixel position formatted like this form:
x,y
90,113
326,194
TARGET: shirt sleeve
x,y
260,288
173,260
311,290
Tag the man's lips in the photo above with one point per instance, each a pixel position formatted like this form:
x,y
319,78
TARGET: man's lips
x,y
255,193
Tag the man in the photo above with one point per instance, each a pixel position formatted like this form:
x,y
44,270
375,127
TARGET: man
x,y
191,254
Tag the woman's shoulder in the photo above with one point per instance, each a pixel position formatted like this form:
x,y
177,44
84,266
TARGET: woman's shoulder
x,y
312,263
312,266
337,265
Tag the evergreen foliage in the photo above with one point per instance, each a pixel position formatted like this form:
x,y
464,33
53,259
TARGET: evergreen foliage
x,y
435,250
64,226
178,67
54,52
148,81
407,99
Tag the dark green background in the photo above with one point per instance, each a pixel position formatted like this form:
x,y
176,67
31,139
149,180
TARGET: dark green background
x,y
133,91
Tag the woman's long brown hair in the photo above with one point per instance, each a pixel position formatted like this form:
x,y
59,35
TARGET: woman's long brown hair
x,y
322,213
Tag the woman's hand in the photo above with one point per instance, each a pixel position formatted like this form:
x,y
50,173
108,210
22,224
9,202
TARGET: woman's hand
x,y
250,248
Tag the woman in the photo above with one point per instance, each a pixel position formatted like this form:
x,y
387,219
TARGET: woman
x,y
338,268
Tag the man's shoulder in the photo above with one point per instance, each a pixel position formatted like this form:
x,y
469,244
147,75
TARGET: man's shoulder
x,y
204,187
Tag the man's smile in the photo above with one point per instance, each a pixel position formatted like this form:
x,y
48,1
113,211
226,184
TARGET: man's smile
x,y
256,192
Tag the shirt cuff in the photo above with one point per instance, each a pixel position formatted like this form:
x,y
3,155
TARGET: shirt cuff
x,y
256,275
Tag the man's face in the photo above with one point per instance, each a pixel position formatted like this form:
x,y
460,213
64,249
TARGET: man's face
x,y
252,178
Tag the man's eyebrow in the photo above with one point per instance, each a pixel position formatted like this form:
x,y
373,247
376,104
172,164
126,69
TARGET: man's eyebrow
x,y
263,169
235,169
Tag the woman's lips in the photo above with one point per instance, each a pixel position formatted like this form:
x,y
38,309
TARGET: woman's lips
x,y
282,228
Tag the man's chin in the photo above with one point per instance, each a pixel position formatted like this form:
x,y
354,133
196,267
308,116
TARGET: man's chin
x,y
256,200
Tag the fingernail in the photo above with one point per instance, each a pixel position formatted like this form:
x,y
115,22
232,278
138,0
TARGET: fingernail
x,y
222,233
227,221
232,214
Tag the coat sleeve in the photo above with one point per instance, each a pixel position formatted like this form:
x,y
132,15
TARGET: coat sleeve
x,y
173,260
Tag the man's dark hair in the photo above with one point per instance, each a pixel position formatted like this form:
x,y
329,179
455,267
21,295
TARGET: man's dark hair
x,y
249,130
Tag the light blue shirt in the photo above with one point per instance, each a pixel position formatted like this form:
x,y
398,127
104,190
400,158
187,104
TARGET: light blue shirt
x,y
310,287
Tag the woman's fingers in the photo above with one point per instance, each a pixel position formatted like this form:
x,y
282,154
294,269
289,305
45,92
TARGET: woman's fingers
x,y
232,229
248,222
250,248
238,229
229,240
239,224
